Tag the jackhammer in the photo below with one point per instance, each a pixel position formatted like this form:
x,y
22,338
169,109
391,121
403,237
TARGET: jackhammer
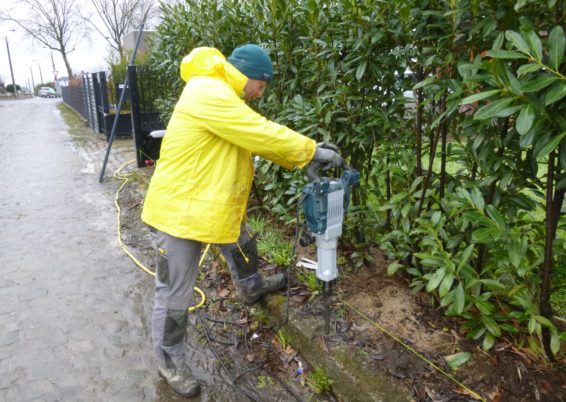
x,y
325,204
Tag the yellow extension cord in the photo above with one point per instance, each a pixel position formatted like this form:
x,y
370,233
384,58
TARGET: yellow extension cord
x,y
119,176
125,179
420,356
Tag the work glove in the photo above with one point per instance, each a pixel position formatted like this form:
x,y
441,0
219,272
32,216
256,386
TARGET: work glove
x,y
327,155
328,145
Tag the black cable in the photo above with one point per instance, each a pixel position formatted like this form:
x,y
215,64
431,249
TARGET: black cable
x,y
232,378
247,393
293,252
219,321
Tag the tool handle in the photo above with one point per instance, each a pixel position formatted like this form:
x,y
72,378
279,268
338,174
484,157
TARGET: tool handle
x,y
314,167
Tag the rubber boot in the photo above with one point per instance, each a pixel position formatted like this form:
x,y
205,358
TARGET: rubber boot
x,y
180,380
249,284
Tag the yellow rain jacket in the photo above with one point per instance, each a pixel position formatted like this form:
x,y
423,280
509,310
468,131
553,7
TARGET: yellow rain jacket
x,y
202,181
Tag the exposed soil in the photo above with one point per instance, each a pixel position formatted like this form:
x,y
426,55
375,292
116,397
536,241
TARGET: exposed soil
x,y
252,349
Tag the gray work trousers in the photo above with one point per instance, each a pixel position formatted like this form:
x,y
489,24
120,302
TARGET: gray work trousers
x,y
176,273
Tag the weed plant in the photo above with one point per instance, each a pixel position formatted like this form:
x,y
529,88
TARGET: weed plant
x,y
319,381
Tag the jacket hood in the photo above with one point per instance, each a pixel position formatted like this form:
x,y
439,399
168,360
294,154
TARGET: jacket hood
x,y
208,61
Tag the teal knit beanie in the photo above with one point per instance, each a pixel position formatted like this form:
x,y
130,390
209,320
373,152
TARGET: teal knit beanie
x,y
253,62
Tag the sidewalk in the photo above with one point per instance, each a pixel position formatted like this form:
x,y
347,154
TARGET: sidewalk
x,y
71,322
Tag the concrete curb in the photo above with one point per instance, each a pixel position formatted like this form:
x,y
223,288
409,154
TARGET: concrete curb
x,y
353,380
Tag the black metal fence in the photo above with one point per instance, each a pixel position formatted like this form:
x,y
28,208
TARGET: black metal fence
x,y
73,96
144,90
97,101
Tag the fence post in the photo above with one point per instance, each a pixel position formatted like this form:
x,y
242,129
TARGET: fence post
x,y
127,83
86,96
97,103
135,112
104,91
104,100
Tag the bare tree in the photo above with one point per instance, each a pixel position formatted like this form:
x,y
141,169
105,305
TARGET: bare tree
x,y
119,17
54,23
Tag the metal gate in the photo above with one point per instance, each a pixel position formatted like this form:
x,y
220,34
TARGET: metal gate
x,y
145,88
139,115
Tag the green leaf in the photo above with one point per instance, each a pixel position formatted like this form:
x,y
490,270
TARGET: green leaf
x,y
556,43
491,326
532,327
476,333
496,216
526,140
424,83
477,197
361,70
516,253
513,83
517,41
493,284
487,235
498,42
534,43
525,119
544,321
435,218
435,279
505,54
430,260
457,359
488,341
550,145
479,96
465,256
519,4
446,285
493,109
447,299
539,83
528,68
393,267
459,299
485,307
563,336
555,93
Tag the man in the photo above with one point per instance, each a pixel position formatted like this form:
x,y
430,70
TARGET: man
x,y
200,187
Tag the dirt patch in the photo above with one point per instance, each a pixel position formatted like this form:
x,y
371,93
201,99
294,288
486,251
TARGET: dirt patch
x,y
264,360
503,374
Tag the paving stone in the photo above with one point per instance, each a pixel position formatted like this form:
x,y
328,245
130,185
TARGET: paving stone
x,y
69,329
9,338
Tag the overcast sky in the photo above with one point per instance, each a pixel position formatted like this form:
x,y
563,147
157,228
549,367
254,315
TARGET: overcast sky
x,y
89,55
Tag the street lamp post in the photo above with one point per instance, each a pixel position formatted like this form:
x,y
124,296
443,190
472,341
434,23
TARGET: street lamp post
x,y
40,75
11,69
55,74
32,81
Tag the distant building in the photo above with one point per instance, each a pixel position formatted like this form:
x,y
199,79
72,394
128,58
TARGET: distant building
x,y
129,40
61,82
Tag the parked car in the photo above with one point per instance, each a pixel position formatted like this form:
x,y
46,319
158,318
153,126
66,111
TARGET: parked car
x,y
47,92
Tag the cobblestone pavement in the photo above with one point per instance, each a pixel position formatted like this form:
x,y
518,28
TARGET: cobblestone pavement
x,y
71,325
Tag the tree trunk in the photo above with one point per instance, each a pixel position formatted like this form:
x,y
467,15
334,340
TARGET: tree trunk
x,y
443,136
545,308
419,122
433,144
482,249
388,193
67,65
